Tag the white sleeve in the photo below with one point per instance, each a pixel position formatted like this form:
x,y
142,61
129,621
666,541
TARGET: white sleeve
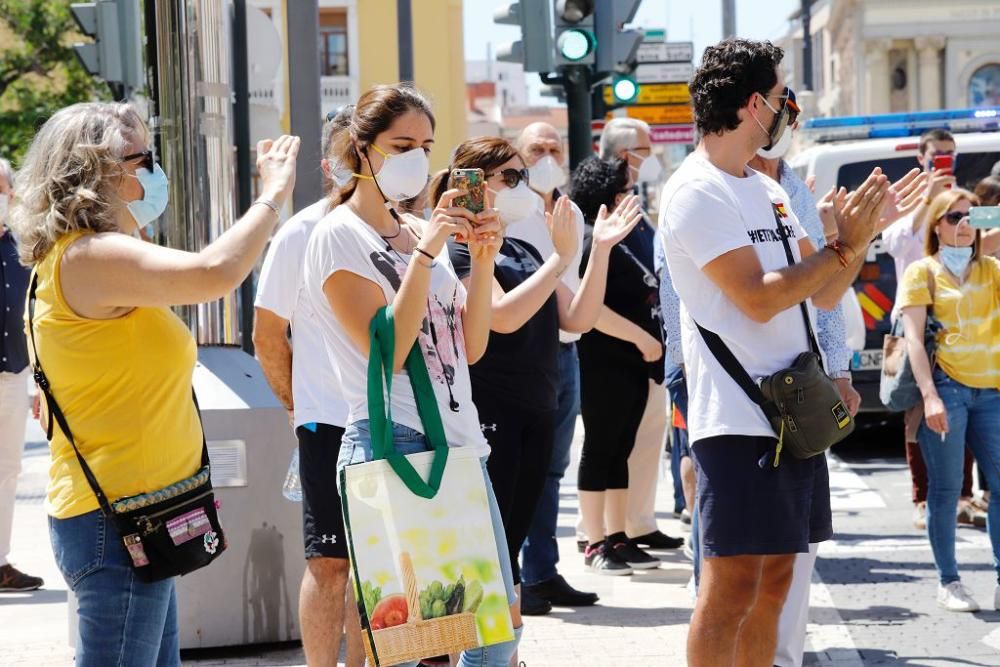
x,y
280,276
900,240
701,218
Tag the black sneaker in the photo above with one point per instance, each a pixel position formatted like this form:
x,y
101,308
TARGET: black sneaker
x,y
532,605
557,591
581,546
626,551
13,580
658,540
599,559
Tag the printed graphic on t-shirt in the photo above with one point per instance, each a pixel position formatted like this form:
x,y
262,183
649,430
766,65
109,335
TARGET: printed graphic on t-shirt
x,y
441,334
770,234
650,280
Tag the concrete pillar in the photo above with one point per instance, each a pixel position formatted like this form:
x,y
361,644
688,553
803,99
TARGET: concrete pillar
x,y
929,63
877,83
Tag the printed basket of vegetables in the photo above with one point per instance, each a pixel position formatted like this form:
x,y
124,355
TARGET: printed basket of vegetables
x,y
435,620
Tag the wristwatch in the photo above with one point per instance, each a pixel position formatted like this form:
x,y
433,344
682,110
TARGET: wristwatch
x,y
841,375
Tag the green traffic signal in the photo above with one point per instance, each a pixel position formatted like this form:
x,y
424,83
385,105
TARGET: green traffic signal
x,y
625,89
575,44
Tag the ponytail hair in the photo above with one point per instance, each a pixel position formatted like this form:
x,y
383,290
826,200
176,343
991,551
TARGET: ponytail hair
x,y
486,153
374,113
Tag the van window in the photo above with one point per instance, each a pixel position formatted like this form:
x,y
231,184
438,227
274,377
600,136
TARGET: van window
x,y
972,167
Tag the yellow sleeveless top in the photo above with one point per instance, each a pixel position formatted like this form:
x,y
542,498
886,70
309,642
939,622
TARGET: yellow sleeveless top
x,y
124,385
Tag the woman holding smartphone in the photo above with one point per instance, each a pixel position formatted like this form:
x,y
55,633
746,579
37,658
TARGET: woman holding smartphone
x,y
365,255
514,384
960,287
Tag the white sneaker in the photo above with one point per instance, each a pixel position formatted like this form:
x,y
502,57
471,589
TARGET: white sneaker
x,y
956,597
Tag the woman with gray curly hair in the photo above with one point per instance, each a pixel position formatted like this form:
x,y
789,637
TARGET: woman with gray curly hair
x,y
118,361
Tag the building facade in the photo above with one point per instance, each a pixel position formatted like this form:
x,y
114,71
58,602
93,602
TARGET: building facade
x,y
884,56
358,48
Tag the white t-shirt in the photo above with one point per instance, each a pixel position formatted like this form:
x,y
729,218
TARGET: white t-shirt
x,y
705,213
315,385
906,247
534,230
344,242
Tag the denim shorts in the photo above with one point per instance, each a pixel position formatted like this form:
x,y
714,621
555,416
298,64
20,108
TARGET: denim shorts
x,y
356,447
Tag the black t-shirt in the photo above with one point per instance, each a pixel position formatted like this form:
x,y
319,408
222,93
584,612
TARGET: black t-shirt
x,y
634,293
519,366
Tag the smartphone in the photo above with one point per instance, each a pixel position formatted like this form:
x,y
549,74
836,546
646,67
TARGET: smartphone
x,y
944,162
472,182
984,217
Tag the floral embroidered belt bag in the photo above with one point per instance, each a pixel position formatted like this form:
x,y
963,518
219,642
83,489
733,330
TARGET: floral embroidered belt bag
x,y
167,532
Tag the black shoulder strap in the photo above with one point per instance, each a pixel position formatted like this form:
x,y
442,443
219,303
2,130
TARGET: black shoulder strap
x,y
783,235
731,364
55,412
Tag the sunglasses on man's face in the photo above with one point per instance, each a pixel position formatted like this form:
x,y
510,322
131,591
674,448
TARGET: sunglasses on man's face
x,y
954,217
146,156
511,177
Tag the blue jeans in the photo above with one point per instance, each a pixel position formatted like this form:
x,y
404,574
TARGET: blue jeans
x,y
356,447
540,553
122,621
973,418
677,388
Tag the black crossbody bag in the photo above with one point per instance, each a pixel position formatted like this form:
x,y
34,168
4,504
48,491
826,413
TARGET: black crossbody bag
x,y
167,532
801,402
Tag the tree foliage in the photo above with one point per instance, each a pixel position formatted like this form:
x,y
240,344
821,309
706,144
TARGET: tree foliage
x,y
39,72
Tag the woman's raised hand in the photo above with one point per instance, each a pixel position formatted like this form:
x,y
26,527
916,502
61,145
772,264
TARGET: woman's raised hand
x,y
276,166
447,221
562,228
611,228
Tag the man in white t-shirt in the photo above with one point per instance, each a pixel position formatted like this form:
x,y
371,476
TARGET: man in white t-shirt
x,y
543,586
724,228
304,379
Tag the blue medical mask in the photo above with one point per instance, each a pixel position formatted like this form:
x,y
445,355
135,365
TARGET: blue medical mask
x,y
955,259
155,195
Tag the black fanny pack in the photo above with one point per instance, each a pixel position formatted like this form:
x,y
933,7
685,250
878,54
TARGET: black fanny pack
x,y
167,532
801,402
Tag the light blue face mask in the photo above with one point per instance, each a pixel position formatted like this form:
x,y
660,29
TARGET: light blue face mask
x,y
155,195
955,259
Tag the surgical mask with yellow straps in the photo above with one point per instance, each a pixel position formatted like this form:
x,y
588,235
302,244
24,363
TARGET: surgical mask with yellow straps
x,y
402,175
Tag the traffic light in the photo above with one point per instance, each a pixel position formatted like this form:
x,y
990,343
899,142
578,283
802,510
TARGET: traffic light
x,y
115,55
616,47
534,49
624,89
574,32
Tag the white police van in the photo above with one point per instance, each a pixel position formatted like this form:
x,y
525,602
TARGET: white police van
x,y
843,151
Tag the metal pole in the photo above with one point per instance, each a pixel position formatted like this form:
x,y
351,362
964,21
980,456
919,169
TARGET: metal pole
x,y
404,33
304,98
728,18
578,106
241,135
807,49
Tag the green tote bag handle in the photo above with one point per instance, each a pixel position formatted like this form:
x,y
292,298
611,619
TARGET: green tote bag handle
x,y
380,361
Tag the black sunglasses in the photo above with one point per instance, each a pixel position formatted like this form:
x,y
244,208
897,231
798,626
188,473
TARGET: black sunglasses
x,y
512,177
147,159
954,217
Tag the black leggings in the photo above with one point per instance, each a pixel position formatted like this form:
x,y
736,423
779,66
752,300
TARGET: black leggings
x,y
521,443
612,400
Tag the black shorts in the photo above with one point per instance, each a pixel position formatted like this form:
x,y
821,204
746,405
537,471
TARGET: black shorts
x,y
322,518
746,508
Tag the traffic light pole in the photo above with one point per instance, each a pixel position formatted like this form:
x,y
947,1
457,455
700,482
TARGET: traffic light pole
x,y
576,82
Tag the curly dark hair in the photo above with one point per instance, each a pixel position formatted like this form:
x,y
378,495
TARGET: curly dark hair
x,y
730,72
595,182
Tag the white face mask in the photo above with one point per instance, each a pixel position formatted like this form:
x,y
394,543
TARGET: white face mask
x,y
779,149
649,170
403,176
546,175
4,202
515,204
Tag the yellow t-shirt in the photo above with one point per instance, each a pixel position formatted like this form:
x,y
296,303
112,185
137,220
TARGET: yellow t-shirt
x,y
969,344
124,385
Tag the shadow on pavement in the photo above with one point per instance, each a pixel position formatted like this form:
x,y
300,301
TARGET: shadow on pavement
x,y
871,571
883,614
622,617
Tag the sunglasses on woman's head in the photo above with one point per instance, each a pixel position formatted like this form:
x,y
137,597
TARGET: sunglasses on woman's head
x,y
147,159
954,217
511,177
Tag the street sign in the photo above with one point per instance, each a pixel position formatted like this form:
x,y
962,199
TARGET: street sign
x,y
654,35
666,52
664,73
665,114
656,93
671,134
